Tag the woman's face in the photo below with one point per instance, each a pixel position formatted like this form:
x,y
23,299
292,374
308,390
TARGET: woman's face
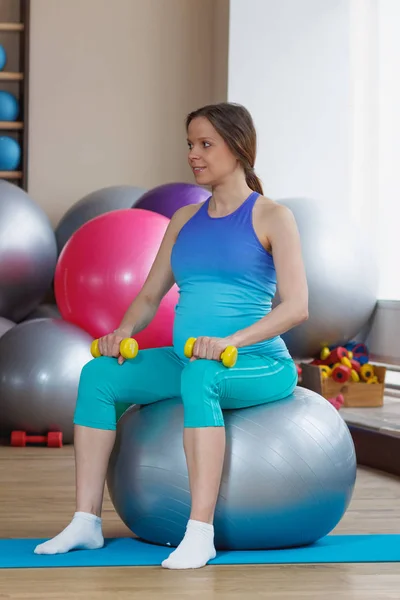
x,y
209,157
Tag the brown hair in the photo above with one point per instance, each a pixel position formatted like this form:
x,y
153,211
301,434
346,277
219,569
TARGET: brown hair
x,y
235,125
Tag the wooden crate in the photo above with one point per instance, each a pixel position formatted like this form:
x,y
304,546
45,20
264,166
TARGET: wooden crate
x,y
356,395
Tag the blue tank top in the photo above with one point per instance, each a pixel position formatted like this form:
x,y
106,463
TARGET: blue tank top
x,y
226,278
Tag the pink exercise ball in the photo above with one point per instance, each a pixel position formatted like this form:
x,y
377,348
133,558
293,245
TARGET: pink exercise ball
x,y
103,267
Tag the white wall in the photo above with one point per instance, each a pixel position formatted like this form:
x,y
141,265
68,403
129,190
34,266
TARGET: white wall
x,y
388,209
321,79
289,63
364,132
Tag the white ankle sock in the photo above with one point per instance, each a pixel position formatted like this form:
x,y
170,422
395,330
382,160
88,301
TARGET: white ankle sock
x,y
196,548
83,533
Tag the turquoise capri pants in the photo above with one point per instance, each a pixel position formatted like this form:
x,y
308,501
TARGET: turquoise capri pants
x,y
206,387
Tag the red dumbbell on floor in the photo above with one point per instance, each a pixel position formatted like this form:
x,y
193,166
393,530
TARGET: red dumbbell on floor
x,y
53,439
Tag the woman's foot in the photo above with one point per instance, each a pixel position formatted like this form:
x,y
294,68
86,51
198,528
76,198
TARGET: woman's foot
x,y
196,548
83,533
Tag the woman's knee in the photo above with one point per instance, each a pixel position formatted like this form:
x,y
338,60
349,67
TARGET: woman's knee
x,y
94,375
200,394
95,405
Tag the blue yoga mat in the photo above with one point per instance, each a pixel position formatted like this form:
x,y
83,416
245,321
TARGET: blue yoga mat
x,y
127,552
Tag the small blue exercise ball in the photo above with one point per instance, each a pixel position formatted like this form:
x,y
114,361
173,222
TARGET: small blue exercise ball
x,y
3,57
10,153
9,106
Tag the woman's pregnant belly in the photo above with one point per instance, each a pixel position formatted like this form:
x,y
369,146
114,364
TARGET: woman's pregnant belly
x,y
219,311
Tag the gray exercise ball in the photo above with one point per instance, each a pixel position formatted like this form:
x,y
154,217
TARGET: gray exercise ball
x,y
5,325
40,366
288,476
44,311
28,253
342,277
94,204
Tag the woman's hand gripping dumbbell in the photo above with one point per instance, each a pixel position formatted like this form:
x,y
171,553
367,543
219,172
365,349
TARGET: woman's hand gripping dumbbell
x,y
228,356
115,344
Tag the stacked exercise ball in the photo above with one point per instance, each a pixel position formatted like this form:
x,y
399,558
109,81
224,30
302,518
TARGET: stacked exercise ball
x,y
40,366
10,153
44,311
342,277
28,253
168,198
9,107
94,204
5,325
103,267
3,57
40,362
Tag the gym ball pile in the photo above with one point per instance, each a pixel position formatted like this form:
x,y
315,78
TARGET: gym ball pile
x,y
296,456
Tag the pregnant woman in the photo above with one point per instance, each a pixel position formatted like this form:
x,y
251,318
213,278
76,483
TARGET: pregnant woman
x,y
228,255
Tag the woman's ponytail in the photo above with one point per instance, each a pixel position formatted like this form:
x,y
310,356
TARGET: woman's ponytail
x,y
253,181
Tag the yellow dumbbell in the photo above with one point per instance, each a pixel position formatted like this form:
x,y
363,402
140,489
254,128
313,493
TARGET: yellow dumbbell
x,y
228,356
128,348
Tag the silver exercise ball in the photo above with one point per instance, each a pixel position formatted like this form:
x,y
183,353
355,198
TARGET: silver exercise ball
x,y
5,325
28,253
342,277
95,204
44,311
40,366
288,477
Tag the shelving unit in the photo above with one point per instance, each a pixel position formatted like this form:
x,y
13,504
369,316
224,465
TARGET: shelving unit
x,y
4,76
10,174
12,26
11,125
14,37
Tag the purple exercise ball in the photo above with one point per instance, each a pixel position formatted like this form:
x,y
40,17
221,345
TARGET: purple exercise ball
x,y
166,199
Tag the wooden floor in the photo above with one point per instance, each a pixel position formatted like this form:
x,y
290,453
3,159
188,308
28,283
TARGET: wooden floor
x,y
36,500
